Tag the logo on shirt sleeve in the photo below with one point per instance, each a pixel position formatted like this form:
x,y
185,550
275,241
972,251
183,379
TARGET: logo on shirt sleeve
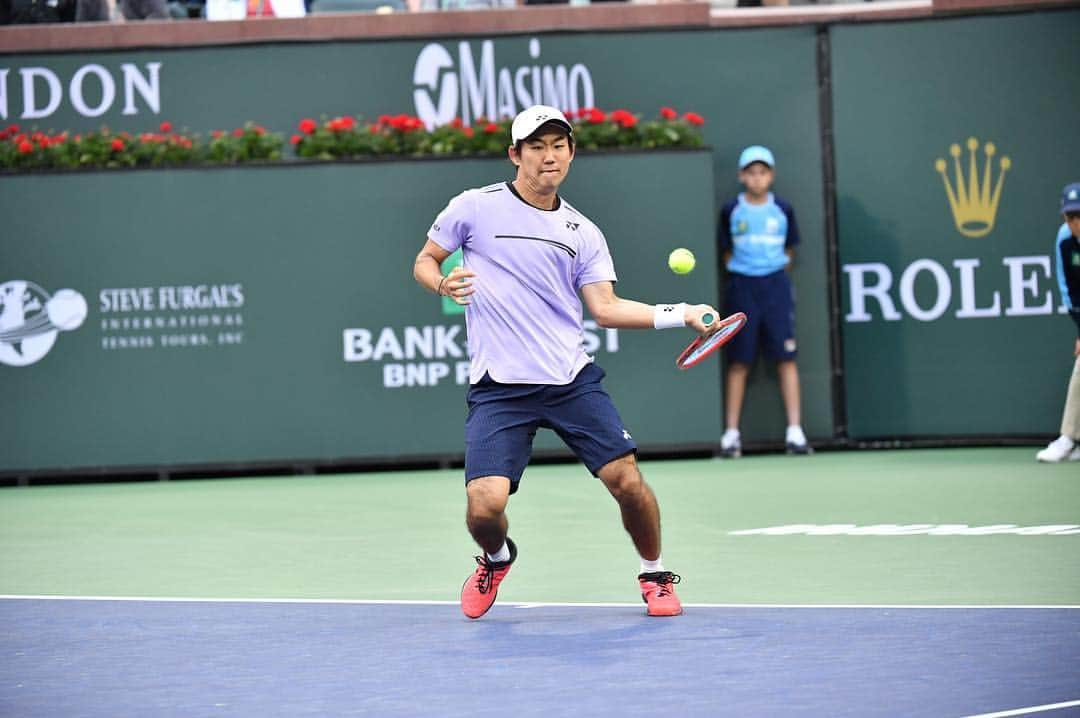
x,y
572,226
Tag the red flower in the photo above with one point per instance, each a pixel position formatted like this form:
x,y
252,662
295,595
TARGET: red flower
x,y
373,129
185,143
117,145
468,132
456,123
308,125
238,132
623,118
25,148
595,116
260,130
295,140
341,124
166,127
491,128
217,134
668,114
694,119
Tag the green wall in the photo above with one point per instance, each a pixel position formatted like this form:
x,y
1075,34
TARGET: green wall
x,y
305,253
310,244
903,94
752,86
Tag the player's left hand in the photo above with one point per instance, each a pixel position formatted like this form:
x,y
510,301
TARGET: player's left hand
x,y
694,315
458,286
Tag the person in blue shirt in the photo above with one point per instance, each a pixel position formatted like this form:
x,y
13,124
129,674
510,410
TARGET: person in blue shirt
x,y
757,236
1067,262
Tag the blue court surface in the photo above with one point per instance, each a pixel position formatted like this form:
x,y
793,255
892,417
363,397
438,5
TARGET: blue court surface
x,y
110,658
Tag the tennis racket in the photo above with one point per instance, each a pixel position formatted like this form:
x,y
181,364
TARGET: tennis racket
x,y
703,346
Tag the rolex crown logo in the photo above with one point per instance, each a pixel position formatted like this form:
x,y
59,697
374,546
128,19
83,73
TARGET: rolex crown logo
x,y
974,201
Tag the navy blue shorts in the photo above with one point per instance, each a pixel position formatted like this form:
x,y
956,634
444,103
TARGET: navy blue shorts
x,y
770,310
503,419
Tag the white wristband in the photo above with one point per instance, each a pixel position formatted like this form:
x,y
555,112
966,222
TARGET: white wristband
x,y
668,316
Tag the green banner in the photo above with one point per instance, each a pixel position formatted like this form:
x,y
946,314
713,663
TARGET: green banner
x,y
953,141
771,101
268,314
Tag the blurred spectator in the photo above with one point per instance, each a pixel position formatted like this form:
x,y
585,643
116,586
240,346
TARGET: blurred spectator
x,y
94,10
461,4
144,9
36,11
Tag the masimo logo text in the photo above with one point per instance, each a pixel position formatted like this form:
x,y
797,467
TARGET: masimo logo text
x,y
469,87
31,319
92,90
973,195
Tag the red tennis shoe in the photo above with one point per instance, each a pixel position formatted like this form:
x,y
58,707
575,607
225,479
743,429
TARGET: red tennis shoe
x,y
478,593
658,593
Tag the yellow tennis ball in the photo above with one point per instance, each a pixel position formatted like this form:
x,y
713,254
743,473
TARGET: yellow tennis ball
x,y
681,261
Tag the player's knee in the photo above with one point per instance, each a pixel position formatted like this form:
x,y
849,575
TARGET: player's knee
x,y
487,498
623,478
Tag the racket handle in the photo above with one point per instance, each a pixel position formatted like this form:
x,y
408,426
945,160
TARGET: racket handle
x,y
707,318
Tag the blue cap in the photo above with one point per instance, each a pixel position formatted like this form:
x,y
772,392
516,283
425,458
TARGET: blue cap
x,y
1070,198
756,153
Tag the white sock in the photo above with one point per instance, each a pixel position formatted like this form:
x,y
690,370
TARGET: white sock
x,y
499,556
730,435
795,434
652,566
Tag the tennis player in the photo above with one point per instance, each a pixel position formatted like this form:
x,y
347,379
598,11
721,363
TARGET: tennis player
x,y
527,256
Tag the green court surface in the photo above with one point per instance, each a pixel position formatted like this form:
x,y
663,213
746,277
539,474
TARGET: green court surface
x,y
401,535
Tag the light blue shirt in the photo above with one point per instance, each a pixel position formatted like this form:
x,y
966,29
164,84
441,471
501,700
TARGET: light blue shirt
x,y
757,235
524,324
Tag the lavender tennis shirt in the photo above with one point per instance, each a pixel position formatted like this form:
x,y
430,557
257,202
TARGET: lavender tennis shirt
x,y
525,322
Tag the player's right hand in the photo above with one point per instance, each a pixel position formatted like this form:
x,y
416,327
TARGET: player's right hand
x,y
458,285
694,314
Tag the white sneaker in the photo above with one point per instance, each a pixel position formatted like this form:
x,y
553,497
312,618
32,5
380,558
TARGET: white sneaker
x,y
731,444
795,441
1060,449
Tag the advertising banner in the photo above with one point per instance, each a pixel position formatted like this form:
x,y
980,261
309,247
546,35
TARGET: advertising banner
x,y
954,139
772,100
269,314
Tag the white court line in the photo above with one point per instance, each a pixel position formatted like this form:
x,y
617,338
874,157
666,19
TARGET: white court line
x,y
530,604
1027,711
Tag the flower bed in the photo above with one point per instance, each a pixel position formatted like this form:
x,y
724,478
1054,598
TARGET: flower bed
x,y
335,138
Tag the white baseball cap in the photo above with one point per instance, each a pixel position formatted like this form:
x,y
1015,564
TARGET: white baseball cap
x,y
529,121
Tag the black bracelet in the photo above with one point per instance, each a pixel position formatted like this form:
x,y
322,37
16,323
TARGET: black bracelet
x,y
438,289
